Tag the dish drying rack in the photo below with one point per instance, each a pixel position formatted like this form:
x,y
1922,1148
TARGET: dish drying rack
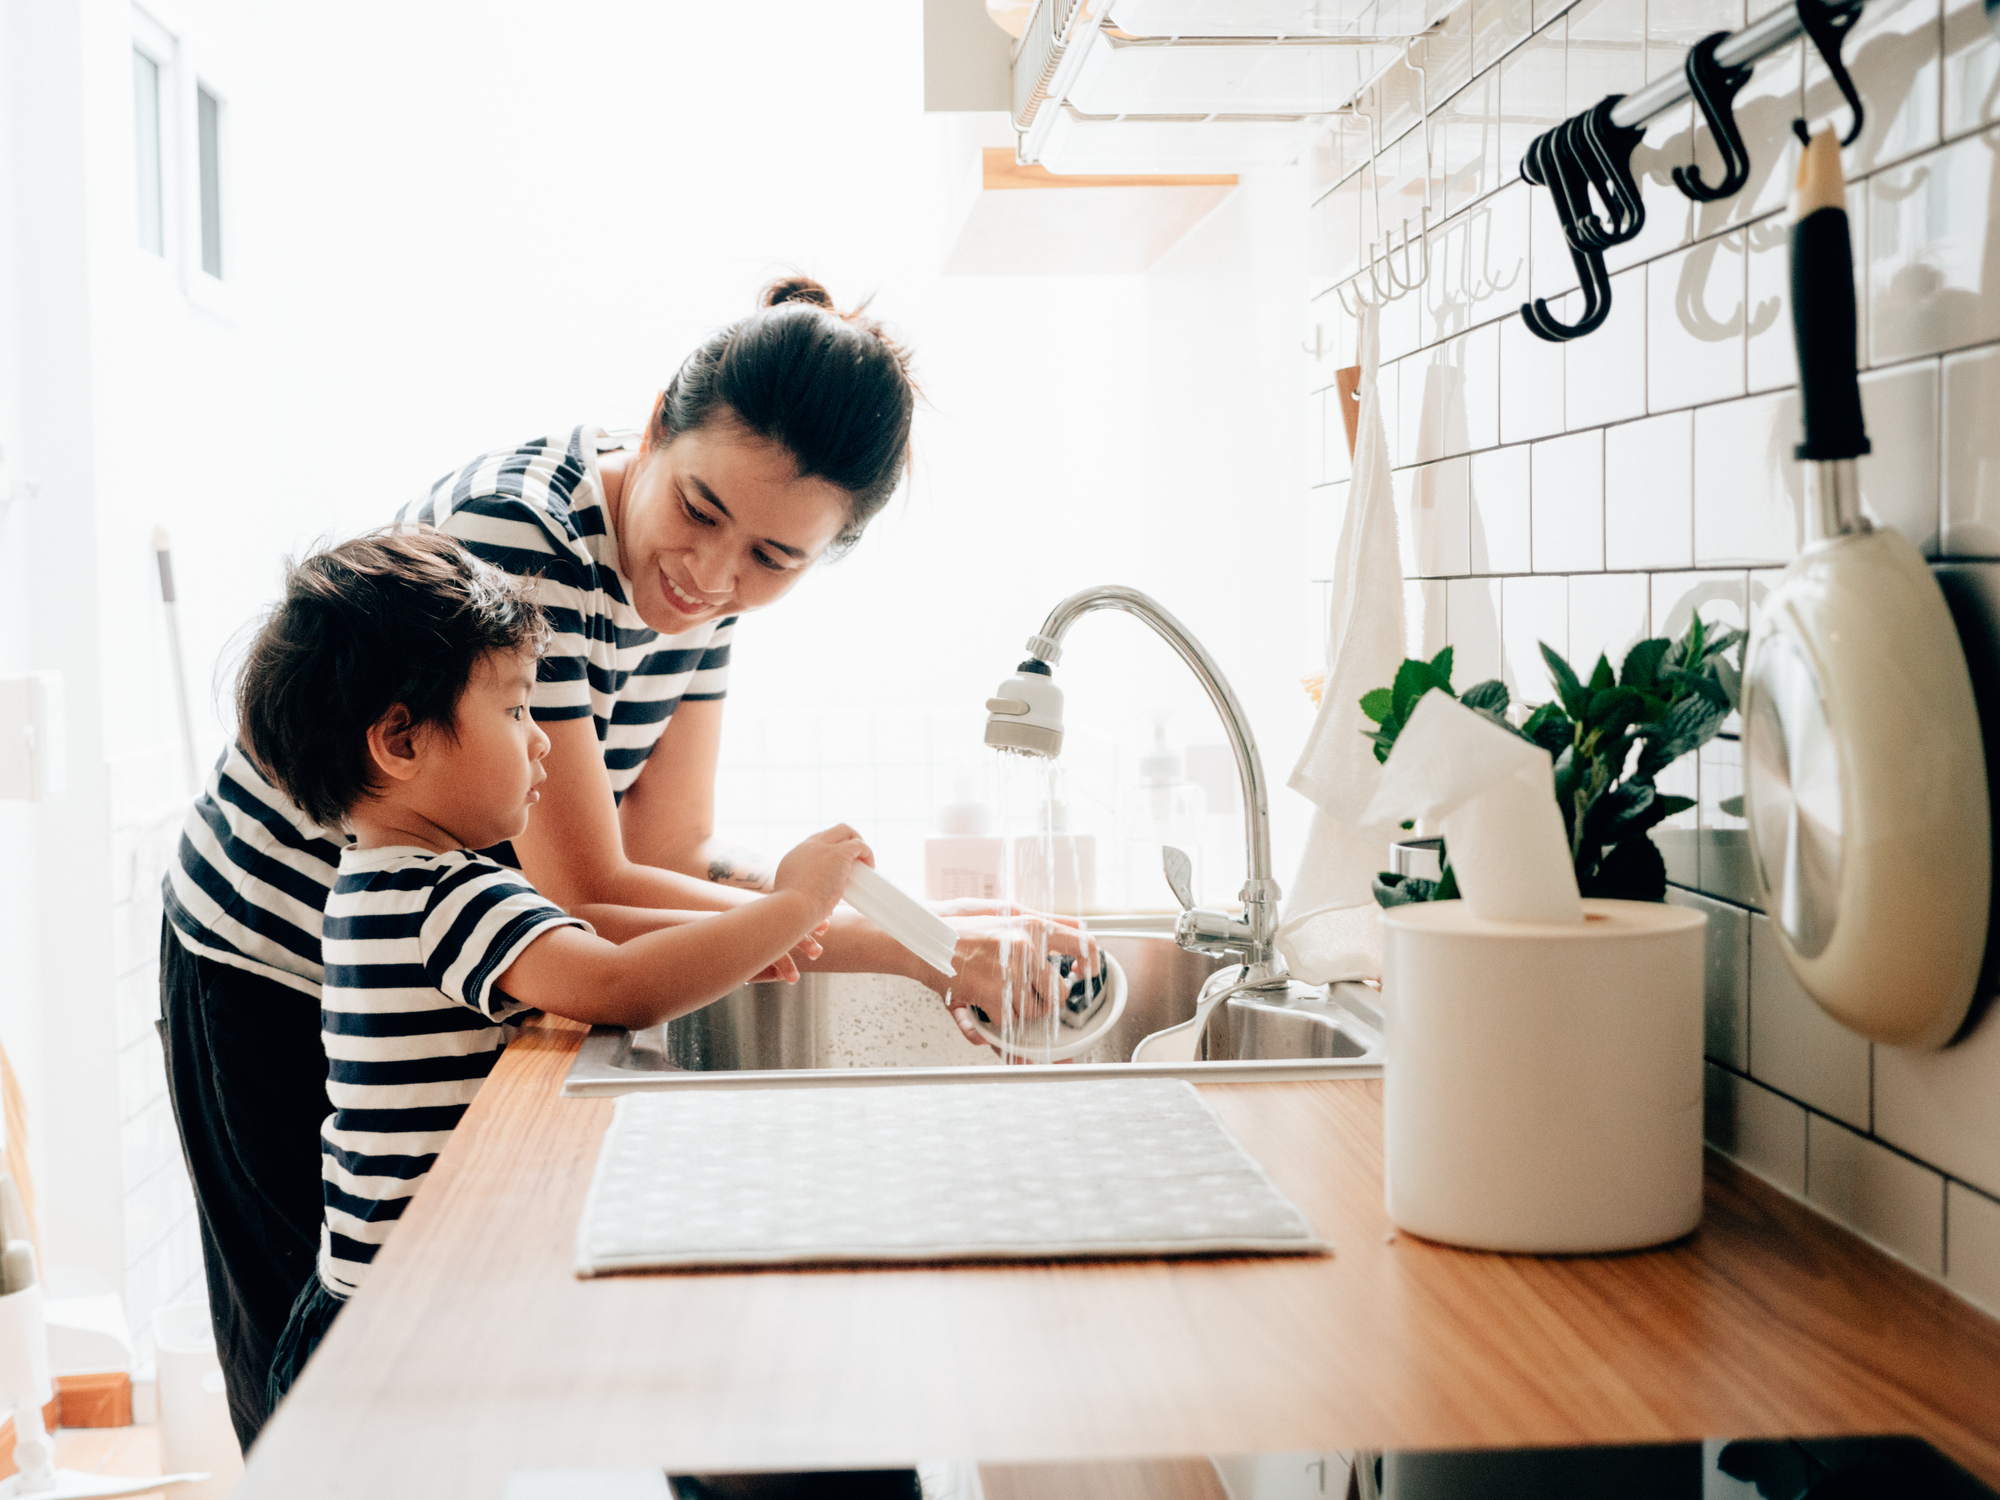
x,y
1197,85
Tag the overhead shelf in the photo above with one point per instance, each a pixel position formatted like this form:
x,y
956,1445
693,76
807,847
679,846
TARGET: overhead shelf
x,y
1026,220
1196,85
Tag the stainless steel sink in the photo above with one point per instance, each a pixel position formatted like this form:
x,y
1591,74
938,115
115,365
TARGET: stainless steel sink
x,y
852,1027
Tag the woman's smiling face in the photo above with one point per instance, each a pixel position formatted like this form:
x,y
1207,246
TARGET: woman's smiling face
x,y
718,522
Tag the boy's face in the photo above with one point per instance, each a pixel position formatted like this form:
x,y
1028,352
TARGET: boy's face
x,y
481,783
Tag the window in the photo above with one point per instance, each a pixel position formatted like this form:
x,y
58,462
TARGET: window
x,y
208,148
146,119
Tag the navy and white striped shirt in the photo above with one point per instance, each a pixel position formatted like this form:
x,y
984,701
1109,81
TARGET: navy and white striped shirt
x,y
413,1022
253,871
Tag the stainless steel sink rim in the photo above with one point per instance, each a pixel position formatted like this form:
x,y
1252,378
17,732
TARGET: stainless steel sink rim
x,y
767,1036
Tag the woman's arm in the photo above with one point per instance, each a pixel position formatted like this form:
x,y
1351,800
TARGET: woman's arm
x,y
574,850
668,814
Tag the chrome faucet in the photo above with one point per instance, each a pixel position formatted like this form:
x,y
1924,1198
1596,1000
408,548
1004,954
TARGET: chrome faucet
x,y
1026,716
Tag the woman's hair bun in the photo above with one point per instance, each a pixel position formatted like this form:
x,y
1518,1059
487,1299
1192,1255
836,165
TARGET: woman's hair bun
x,y
833,388
796,289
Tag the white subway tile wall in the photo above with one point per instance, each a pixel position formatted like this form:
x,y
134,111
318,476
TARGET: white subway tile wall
x,y
1581,494
1897,1202
1972,1245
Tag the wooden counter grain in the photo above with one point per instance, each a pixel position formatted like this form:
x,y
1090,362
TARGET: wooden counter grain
x,y
473,1350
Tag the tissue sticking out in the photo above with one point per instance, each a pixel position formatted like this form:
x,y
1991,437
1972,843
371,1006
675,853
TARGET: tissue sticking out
x,y
1492,796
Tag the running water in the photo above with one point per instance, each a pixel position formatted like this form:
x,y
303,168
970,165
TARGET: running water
x,y
1041,877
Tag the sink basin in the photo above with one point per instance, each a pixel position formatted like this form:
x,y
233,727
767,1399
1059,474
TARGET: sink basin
x,y
831,1028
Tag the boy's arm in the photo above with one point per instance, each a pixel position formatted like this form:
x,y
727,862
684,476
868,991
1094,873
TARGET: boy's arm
x,y
657,975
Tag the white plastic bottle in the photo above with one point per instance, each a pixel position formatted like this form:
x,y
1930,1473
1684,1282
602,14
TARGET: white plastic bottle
x,y
964,859
1163,808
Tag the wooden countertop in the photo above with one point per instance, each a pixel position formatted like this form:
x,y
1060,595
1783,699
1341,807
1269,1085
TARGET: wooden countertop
x,y
474,1351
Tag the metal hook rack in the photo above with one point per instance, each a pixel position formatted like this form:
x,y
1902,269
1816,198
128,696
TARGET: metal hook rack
x,y
1415,267
1592,151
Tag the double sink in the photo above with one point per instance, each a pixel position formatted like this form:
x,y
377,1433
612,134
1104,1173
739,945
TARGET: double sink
x,y
834,1028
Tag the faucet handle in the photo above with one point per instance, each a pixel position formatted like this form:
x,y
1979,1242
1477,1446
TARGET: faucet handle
x,y
1180,874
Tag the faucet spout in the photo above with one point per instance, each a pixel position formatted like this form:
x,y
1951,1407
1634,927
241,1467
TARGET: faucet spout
x,y
1260,892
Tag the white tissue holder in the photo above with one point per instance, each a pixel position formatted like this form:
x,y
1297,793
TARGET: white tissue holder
x,y
1543,1082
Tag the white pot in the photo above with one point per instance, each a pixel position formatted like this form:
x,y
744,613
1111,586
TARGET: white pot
x,y
1543,1082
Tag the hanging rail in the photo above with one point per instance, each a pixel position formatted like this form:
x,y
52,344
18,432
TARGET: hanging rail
x,y
1587,159
1757,40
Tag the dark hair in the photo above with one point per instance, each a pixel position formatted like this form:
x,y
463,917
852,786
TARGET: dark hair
x,y
832,388
400,616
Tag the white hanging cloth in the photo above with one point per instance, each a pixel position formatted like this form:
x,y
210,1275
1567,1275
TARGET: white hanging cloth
x,y
1330,929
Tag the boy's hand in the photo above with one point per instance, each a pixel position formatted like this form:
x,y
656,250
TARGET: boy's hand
x,y
786,969
818,868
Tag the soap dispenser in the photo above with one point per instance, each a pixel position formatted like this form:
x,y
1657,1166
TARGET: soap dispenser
x,y
1164,808
964,858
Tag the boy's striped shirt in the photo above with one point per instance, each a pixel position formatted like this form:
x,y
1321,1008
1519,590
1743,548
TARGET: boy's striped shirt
x,y
253,871
413,1022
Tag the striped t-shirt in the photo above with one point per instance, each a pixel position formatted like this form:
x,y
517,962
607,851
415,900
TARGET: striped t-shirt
x,y
253,871
413,1022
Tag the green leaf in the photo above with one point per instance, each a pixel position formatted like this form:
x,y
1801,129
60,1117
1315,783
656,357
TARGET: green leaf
x,y
1413,680
1569,692
1447,888
1377,704
1727,640
1703,683
1600,675
1729,807
1441,669
1618,812
1392,889
1613,709
1642,664
1489,696
1551,728
1690,724
1632,871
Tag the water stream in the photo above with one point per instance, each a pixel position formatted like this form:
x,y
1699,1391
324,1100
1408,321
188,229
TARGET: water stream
x,y
1041,878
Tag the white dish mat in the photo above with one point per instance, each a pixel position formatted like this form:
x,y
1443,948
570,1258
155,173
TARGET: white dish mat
x,y
925,1172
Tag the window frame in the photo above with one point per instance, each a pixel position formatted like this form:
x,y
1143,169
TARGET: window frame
x,y
159,46
214,293
186,73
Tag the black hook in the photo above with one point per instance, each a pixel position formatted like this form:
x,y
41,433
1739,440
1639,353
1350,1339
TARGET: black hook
x,y
1828,28
1596,282
1561,161
1586,151
1714,88
1605,150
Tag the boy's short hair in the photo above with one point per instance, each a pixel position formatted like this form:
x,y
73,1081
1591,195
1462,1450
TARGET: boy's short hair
x,y
399,616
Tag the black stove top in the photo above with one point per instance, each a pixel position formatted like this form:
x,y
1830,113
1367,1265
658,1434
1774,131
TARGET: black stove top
x,y
1844,1468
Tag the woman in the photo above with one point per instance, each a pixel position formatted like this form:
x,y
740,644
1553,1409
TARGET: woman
x,y
771,449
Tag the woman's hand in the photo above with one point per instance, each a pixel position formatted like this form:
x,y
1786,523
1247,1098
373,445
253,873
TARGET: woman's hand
x,y
1003,950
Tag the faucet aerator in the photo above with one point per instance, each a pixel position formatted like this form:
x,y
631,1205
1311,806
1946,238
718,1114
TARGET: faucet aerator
x,y
1025,715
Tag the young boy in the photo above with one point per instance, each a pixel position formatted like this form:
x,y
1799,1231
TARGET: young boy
x,y
388,693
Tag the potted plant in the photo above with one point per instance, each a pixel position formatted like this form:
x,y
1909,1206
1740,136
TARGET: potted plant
x,y
1610,737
